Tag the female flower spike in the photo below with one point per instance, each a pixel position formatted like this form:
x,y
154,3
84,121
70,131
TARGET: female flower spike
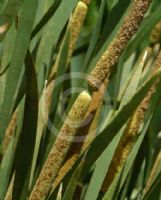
x,y
76,22
61,146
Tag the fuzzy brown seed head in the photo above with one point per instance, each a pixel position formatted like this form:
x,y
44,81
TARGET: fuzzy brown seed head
x,y
89,130
64,170
76,22
126,142
124,147
111,56
61,146
48,97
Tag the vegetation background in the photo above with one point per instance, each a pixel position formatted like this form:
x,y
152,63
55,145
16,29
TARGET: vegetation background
x,y
80,99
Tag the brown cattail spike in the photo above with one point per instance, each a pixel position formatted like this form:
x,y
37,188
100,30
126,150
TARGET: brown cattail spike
x,y
112,54
88,131
122,150
9,132
76,22
64,170
61,146
127,139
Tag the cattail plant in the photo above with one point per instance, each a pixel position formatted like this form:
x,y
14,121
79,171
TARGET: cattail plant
x,y
75,23
88,132
65,169
128,137
113,52
56,144
109,56
61,147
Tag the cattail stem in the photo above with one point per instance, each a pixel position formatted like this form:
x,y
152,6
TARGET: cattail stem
x,y
61,146
115,49
127,139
